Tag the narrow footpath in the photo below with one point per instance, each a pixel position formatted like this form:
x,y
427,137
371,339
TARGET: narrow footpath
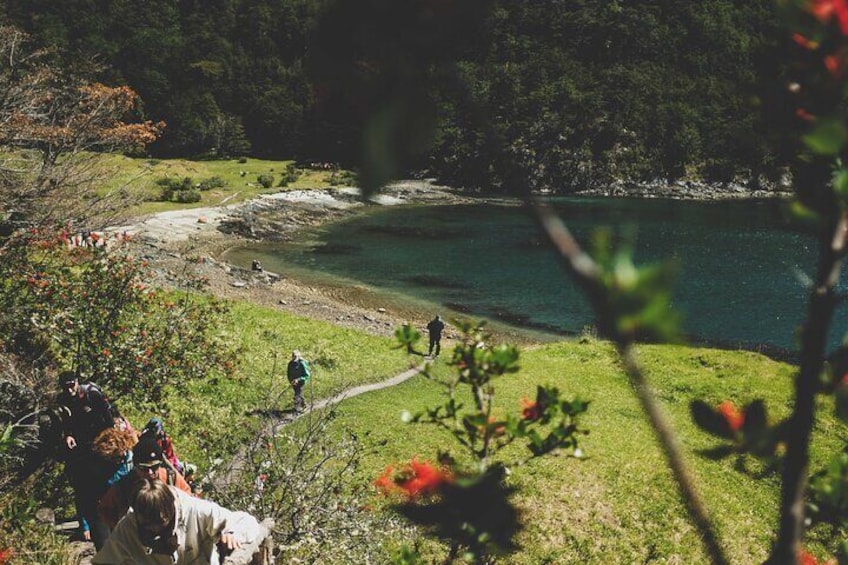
x,y
240,463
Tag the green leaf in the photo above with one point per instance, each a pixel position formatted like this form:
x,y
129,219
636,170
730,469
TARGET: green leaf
x,y
709,420
827,138
755,418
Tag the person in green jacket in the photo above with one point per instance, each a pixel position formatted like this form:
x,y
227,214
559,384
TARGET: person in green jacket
x,y
298,374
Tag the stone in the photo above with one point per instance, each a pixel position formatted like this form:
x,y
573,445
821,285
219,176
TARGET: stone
x,y
45,516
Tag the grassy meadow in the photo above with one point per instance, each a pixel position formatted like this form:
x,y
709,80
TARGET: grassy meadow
x,y
617,504
139,177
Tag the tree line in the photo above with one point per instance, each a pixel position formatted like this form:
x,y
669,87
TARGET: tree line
x,y
488,95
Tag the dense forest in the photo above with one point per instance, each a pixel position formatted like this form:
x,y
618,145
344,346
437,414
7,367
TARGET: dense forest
x,y
546,94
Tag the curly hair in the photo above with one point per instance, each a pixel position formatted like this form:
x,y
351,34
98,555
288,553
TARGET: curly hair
x,y
113,443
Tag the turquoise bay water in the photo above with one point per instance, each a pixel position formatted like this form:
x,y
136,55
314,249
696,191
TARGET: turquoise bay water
x,y
743,277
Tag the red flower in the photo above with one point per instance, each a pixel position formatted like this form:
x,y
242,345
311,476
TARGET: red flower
x,y
385,482
833,64
530,411
805,558
735,418
824,10
6,554
804,115
416,479
804,42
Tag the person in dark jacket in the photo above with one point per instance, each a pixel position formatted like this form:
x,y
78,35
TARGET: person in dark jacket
x,y
298,373
86,413
435,328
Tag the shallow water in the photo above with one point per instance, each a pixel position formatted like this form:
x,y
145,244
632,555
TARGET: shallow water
x,y
742,282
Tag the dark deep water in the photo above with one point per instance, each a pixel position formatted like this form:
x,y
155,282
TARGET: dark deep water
x,y
743,271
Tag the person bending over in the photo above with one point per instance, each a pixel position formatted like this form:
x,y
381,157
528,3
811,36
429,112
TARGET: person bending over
x,y
168,526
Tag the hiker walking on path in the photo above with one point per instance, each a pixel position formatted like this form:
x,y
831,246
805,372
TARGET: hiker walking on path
x,y
435,328
168,526
298,373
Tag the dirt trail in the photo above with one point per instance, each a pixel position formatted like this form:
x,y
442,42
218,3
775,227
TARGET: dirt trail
x,y
240,463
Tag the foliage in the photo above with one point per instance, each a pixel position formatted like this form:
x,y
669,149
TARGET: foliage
x,y
50,122
211,183
266,180
95,312
472,509
303,476
515,95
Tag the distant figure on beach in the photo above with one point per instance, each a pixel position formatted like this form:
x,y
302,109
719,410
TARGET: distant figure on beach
x,y
435,328
298,373
256,266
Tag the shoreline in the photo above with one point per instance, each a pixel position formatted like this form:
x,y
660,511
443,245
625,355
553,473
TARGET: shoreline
x,y
200,237
203,236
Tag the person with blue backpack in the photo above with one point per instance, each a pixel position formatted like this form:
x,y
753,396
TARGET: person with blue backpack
x,y
298,373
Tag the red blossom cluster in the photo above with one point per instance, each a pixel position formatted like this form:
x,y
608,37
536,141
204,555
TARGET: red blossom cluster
x,y
805,558
418,478
530,411
6,555
825,10
735,418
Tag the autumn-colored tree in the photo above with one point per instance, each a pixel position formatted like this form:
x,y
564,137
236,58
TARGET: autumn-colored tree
x,y
52,128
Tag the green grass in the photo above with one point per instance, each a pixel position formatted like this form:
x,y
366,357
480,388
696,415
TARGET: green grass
x,y
139,176
215,416
619,504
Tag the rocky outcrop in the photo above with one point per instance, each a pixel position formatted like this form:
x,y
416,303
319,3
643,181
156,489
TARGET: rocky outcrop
x,y
692,190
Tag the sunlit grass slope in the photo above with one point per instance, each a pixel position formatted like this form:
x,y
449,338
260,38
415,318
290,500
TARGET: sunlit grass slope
x,y
139,177
215,417
618,504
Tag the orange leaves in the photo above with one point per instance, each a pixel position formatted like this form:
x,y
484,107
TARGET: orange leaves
x,y
530,411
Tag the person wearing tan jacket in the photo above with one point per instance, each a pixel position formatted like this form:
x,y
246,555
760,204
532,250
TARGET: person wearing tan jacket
x,y
168,527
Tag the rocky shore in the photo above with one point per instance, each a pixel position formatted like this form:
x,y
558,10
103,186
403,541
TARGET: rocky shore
x,y
693,190
196,238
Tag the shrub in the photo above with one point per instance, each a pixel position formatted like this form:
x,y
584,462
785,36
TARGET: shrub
x,y
94,311
187,196
170,186
304,476
266,180
242,160
211,183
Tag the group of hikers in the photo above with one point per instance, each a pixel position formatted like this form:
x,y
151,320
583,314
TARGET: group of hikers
x,y
135,499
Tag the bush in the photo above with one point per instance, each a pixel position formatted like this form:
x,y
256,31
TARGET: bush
x,y
93,310
170,186
343,178
266,180
291,175
242,160
211,182
187,196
